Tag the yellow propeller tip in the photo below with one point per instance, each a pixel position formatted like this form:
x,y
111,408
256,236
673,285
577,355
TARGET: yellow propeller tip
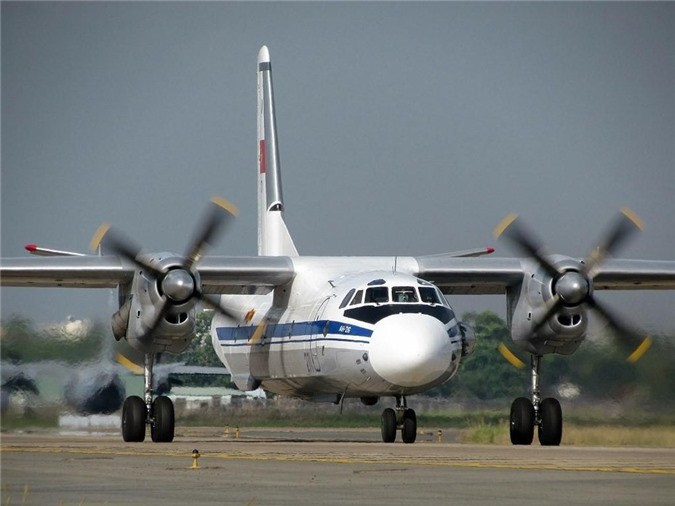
x,y
226,204
131,366
640,350
632,216
510,357
259,331
503,225
98,236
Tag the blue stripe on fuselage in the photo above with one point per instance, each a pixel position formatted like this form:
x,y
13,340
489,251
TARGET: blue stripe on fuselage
x,y
296,329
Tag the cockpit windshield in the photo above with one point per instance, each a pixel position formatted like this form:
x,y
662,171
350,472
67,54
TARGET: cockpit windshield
x,y
378,292
377,300
396,294
429,295
403,294
377,295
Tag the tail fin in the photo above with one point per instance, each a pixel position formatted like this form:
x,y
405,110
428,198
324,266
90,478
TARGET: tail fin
x,y
273,236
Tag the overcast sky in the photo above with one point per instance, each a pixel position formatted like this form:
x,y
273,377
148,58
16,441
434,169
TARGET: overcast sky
x,y
404,128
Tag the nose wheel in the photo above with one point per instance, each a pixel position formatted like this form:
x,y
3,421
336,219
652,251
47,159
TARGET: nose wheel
x,y
546,414
402,418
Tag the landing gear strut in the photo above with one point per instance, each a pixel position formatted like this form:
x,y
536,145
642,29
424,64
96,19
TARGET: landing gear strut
x,y
546,414
137,413
402,418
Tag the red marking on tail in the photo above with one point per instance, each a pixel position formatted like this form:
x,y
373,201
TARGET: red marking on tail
x,y
31,247
263,168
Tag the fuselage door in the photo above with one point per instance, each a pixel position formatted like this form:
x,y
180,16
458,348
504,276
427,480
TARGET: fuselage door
x,y
319,328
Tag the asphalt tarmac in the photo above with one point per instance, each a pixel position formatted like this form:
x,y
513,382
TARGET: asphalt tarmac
x,y
321,467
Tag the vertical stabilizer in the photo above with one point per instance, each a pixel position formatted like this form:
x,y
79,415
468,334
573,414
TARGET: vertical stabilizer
x,y
273,236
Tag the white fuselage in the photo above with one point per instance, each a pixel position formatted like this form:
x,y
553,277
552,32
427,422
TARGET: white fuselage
x,y
344,327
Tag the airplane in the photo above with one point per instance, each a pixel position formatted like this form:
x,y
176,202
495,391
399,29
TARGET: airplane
x,y
89,387
331,328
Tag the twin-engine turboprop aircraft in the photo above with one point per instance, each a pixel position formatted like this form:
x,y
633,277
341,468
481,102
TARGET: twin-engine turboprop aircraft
x,y
330,328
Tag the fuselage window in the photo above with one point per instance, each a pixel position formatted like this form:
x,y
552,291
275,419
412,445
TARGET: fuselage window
x,y
358,298
403,294
429,295
377,295
347,298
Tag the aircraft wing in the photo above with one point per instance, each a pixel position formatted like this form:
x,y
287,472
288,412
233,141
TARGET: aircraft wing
x,y
89,271
470,276
244,274
620,274
218,274
475,276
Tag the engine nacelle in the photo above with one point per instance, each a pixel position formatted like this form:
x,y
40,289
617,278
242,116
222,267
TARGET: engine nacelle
x,y
528,303
137,319
120,321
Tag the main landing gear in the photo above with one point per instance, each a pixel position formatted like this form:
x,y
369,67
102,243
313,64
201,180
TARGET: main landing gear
x,y
546,414
137,413
400,418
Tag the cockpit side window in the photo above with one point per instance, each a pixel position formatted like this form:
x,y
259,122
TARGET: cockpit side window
x,y
358,298
347,298
404,294
429,295
377,295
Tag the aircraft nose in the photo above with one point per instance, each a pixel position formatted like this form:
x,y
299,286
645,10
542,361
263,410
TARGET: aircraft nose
x,y
410,350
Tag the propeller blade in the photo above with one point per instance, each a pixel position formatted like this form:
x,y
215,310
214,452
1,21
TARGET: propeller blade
x,y
640,350
219,214
161,314
628,337
510,356
625,225
526,241
207,301
129,364
259,331
552,307
121,246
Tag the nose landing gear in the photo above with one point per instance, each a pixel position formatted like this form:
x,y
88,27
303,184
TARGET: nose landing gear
x,y
402,418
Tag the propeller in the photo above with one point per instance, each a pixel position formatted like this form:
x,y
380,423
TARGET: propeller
x,y
573,287
177,284
510,356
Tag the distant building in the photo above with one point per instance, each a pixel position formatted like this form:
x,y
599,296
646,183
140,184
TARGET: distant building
x,y
211,397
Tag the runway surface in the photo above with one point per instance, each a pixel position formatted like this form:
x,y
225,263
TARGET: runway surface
x,y
314,466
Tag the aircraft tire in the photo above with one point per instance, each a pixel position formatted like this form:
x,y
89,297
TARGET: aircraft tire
x,y
522,421
133,419
409,429
163,424
550,428
388,425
